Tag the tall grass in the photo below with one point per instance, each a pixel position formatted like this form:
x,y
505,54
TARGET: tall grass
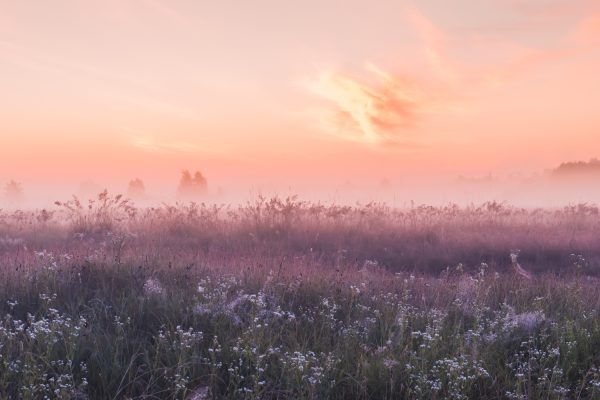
x,y
286,299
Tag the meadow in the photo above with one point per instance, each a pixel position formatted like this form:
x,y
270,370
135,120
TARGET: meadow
x,y
285,299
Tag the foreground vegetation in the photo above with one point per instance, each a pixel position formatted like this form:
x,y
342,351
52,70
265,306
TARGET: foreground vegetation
x,y
291,300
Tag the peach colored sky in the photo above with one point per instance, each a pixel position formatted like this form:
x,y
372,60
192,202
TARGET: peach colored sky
x,y
285,92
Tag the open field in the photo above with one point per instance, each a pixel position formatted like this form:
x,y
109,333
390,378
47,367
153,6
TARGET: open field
x,y
285,299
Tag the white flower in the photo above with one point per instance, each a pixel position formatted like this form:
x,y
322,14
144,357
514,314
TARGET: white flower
x,y
153,287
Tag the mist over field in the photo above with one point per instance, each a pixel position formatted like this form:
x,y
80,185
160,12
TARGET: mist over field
x,y
566,184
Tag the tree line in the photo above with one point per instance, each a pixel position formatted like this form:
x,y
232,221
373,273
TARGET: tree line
x,y
192,186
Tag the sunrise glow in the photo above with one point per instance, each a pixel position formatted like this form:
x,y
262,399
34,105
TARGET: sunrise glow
x,y
315,94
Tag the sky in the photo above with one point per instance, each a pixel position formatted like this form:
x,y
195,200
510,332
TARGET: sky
x,y
295,95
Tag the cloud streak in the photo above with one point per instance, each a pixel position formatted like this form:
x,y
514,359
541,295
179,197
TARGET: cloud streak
x,y
149,144
378,106
369,108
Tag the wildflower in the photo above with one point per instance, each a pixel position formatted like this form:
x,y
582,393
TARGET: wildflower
x,y
528,321
12,304
152,287
200,393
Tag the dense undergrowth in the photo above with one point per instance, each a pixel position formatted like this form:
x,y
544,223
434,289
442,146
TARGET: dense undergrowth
x,y
115,331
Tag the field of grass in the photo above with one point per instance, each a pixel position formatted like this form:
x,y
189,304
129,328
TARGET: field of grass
x,y
280,298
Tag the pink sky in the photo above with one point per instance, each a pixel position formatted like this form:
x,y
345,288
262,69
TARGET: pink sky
x,y
287,93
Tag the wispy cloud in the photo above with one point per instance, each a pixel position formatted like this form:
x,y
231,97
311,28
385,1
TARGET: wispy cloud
x,y
149,144
377,106
434,44
369,108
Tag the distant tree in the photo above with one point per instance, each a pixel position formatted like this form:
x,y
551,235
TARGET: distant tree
x,y
578,167
192,187
13,191
136,189
200,180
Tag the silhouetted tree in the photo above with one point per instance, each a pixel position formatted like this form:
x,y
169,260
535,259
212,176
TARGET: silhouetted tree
x,y
13,191
136,189
578,167
192,187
